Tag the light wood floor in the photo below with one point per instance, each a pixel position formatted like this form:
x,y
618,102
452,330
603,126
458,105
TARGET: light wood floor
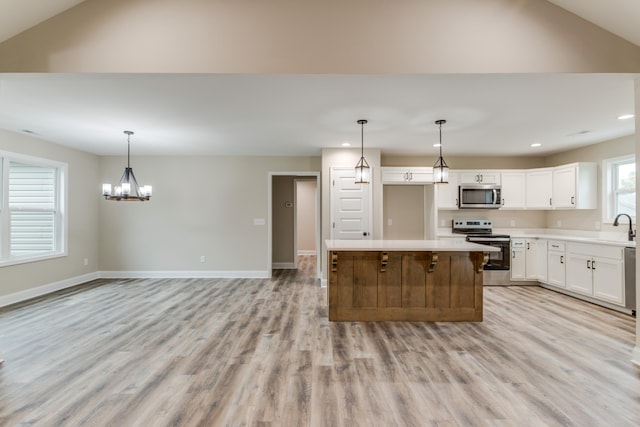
x,y
261,352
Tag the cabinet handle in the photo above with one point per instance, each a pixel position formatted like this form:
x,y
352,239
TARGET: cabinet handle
x,y
481,178
477,178
514,254
589,264
410,176
503,201
555,246
561,259
593,265
573,200
549,201
457,204
406,176
528,245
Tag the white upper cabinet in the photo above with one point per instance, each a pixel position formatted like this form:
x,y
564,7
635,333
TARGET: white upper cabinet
x,y
513,189
575,186
447,194
407,175
539,188
479,176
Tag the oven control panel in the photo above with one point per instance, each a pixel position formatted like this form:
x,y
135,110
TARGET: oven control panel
x,y
472,223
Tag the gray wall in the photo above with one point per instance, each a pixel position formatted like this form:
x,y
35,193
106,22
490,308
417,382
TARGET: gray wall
x,y
83,215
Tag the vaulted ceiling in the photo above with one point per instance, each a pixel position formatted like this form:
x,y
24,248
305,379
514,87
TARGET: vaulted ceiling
x,y
299,114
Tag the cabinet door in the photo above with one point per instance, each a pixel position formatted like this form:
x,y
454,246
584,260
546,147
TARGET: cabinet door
x,y
447,194
556,269
564,187
579,274
538,188
480,177
535,259
420,175
394,175
608,280
513,190
518,266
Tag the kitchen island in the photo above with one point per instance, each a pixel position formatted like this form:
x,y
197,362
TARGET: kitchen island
x,y
407,280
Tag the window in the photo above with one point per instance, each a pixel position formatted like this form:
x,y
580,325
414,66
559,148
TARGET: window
x,y
31,209
619,187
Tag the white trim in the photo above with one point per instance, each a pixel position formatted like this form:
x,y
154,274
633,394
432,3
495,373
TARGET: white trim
x,y
608,205
179,274
284,266
323,283
306,253
27,294
635,358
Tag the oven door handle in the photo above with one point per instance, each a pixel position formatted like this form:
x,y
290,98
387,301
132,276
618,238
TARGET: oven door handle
x,y
495,197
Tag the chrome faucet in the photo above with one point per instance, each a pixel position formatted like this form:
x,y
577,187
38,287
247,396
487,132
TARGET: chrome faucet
x,y
632,233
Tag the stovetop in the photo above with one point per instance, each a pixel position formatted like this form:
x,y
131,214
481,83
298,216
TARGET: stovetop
x,y
475,228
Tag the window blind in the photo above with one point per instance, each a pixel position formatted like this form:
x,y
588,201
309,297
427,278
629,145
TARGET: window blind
x,y
32,205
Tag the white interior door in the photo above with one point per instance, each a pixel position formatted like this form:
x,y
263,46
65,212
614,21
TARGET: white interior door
x,y
351,206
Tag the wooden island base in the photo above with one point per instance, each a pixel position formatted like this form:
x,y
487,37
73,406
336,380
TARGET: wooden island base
x,y
414,286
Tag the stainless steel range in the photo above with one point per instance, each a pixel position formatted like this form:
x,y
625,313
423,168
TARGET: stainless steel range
x,y
481,231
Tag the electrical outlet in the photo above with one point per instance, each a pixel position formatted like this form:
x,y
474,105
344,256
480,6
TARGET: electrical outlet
x,y
597,225
513,222
203,258
443,223
558,223
86,261
389,221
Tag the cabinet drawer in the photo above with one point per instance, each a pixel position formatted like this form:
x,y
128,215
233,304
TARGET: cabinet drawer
x,y
556,246
602,251
517,243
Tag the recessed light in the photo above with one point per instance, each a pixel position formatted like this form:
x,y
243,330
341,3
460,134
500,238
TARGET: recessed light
x,y
536,144
626,116
346,144
29,131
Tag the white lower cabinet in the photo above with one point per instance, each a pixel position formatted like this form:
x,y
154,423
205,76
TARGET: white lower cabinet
x,y
556,264
518,265
596,271
528,259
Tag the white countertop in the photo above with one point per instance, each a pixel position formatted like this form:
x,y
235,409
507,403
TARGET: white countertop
x,y
446,245
602,238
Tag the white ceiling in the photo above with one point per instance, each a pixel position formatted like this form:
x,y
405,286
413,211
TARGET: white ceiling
x,y
196,114
298,115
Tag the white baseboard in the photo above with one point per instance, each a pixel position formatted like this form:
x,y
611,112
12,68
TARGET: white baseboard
x,y
635,358
306,253
199,274
27,294
283,265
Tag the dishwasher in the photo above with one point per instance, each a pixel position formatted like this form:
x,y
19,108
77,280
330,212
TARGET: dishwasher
x,y
630,278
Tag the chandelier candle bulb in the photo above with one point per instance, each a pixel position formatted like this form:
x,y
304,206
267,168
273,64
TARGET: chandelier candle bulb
x,y
126,188
106,189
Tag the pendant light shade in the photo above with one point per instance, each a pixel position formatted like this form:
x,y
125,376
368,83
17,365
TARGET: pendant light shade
x,y
440,168
128,188
363,171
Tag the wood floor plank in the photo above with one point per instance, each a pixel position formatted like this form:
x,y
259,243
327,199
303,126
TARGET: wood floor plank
x,y
254,352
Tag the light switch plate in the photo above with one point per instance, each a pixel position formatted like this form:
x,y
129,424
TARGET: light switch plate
x,y
258,221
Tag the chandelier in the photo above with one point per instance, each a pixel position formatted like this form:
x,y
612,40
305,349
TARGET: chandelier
x,y
128,188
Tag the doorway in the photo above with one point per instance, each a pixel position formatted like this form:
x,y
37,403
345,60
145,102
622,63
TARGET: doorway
x,y
294,220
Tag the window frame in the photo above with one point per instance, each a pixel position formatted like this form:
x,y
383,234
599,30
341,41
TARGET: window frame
x,y
61,220
609,180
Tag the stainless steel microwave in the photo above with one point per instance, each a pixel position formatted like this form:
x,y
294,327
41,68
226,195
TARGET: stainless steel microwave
x,y
479,196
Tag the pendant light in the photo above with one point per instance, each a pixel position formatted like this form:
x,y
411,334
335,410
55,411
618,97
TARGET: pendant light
x,y
128,188
440,168
363,171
